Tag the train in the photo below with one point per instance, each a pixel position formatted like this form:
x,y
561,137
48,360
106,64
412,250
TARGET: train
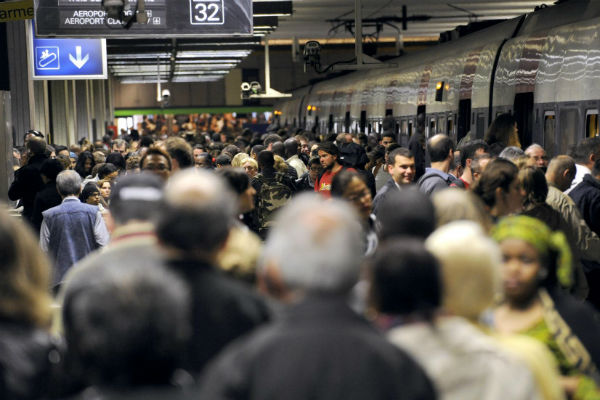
x,y
543,67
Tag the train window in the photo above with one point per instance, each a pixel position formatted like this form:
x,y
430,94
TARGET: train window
x,y
549,132
569,126
481,128
450,126
431,127
330,123
389,111
404,127
441,124
592,128
363,121
410,128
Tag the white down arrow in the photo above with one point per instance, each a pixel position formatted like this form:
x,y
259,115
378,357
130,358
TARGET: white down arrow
x,y
77,60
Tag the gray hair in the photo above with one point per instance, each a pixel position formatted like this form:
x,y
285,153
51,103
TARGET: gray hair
x,y
532,147
511,153
68,183
316,244
199,212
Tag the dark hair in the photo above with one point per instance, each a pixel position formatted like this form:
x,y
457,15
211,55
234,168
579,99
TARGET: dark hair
x,y
231,150
80,166
329,148
155,150
400,151
533,182
50,169
105,170
257,149
439,147
291,147
314,161
265,159
468,150
408,212
271,138
500,173
117,160
58,148
208,159
237,179
146,141
278,149
341,180
389,134
583,149
89,189
500,130
223,160
406,279
126,327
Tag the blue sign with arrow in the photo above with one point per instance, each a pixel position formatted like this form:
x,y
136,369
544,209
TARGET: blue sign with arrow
x,y
68,58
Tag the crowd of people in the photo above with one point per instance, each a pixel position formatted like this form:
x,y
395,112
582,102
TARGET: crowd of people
x,y
298,265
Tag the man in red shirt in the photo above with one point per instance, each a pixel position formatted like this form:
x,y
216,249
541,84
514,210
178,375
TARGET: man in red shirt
x,y
329,156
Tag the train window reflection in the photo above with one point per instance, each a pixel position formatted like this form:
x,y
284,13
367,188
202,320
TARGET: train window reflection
x,y
591,123
549,132
569,127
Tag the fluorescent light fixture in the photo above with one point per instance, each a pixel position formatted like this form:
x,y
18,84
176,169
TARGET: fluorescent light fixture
x,y
271,8
213,53
209,61
190,79
126,81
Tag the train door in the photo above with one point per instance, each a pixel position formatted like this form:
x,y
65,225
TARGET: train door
x,y
550,132
464,118
523,113
363,121
592,126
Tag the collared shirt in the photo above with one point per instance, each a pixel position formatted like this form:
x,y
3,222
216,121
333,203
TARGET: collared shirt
x,y
100,232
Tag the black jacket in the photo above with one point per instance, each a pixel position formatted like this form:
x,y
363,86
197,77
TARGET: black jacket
x,y
27,183
587,197
222,310
45,199
319,350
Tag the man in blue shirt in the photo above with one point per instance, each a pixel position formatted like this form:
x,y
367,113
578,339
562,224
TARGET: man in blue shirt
x,y
72,229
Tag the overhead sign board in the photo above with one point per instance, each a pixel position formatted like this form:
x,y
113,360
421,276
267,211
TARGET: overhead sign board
x,y
16,10
166,18
67,58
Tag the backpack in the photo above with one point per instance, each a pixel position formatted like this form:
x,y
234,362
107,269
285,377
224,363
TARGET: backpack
x,y
273,194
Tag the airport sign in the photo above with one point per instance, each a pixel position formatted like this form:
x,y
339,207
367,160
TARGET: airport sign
x,y
172,18
67,58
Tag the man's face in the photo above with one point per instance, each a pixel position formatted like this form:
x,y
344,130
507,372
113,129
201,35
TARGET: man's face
x,y
403,170
120,149
250,169
304,147
386,141
327,160
157,164
537,158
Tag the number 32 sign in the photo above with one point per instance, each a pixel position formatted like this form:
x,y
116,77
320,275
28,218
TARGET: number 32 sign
x,y
207,12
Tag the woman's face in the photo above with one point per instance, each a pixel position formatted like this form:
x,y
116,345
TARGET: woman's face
x,y
521,270
87,164
511,201
105,190
360,196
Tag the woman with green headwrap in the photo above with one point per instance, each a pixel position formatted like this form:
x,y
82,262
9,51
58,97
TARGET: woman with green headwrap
x,y
537,268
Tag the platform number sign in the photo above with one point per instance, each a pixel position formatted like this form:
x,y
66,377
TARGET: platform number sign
x,y
207,12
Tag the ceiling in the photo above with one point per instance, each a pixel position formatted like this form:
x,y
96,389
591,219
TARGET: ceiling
x,y
309,17
210,59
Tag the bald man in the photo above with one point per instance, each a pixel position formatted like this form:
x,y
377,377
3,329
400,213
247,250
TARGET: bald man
x,y
536,156
441,153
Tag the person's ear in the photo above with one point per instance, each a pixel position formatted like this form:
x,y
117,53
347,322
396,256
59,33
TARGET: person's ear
x,y
271,283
